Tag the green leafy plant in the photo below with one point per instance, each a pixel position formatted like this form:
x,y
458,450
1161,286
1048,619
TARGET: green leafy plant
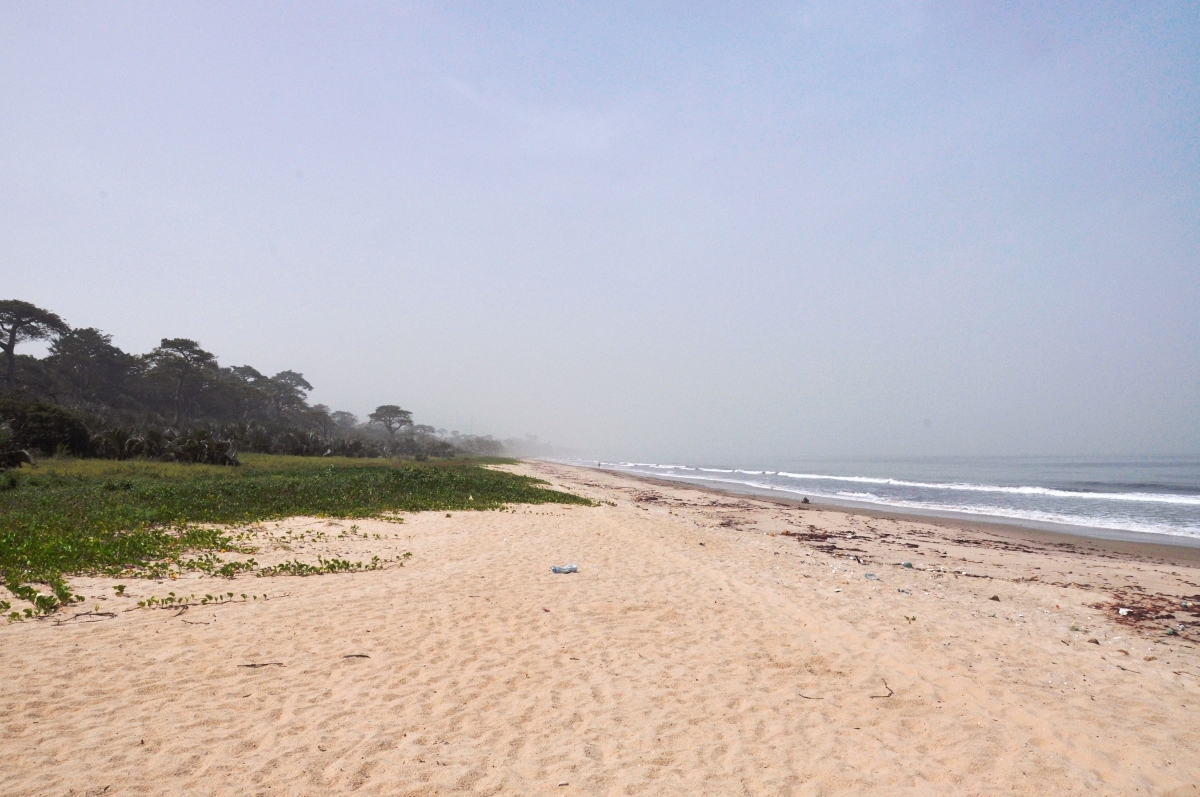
x,y
323,566
67,517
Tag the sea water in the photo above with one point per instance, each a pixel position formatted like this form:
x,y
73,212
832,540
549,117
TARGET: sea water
x,y
1132,497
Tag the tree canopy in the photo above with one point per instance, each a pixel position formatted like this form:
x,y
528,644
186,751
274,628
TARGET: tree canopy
x,y
20,321
391,417
178,401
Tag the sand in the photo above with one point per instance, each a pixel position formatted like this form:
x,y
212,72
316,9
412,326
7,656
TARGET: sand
x,y
709,644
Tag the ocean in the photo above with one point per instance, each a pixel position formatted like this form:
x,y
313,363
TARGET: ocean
x,y
1127,498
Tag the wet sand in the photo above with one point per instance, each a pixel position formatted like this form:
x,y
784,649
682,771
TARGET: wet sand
x,y
710,644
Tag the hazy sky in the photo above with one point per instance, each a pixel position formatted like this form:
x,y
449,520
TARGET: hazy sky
x,y
698,232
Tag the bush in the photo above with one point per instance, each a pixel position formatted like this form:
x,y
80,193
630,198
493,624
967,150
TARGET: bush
x,y
35,426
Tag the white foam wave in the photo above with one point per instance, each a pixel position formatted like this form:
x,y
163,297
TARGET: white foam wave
x,y
1089,521
653,465
1154,498
1115,524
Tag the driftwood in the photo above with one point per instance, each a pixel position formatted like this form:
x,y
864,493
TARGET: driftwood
x,y
885,686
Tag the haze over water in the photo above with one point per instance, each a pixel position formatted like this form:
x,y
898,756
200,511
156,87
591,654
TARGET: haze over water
x,y
1157,495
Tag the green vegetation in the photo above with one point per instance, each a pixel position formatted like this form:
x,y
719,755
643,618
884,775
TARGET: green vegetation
x,y
298,568
138,517
177,403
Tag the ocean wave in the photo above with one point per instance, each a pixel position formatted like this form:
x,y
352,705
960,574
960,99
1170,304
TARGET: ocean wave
x,y
1157,498
1087,520
653,465
1153,498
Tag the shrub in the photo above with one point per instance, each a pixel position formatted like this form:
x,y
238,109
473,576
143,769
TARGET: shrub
x,y
42,427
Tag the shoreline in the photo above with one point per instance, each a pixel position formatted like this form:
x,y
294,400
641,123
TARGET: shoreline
x,y
1164,547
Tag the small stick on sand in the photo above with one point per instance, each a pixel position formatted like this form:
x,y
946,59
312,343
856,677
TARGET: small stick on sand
x,y
99,615
885,686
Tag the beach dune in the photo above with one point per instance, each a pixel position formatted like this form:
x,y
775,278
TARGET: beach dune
x,y
709,644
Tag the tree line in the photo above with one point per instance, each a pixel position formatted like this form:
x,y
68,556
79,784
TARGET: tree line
x,y
89,398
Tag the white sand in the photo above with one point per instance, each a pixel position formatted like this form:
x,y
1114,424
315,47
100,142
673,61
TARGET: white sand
x,y
686,657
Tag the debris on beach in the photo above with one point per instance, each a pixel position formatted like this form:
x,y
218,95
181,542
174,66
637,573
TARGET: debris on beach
x,y
567,568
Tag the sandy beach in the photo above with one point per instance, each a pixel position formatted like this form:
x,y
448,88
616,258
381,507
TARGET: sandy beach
x,y
709,644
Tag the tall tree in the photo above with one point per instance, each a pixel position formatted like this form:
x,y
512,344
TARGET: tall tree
x,y
346,421
392,418
248,394
288,391
321,418
181,358
23,321
92,369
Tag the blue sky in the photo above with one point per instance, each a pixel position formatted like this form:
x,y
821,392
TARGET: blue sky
x,y
667,231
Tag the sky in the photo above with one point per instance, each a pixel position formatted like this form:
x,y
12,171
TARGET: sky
x,y
699,232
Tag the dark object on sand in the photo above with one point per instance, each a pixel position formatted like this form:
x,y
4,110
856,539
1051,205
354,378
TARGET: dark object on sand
x,y
995,598
804,500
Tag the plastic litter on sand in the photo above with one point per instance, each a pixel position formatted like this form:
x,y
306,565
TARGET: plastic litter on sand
x,y
564,569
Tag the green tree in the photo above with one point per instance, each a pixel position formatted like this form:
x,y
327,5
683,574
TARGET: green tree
x,y
288,392
392,418
345,422
92,370
21,321
245,393
182,358
322,420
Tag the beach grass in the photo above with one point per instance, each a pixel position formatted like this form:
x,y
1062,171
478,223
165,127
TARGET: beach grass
x,y
68,517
